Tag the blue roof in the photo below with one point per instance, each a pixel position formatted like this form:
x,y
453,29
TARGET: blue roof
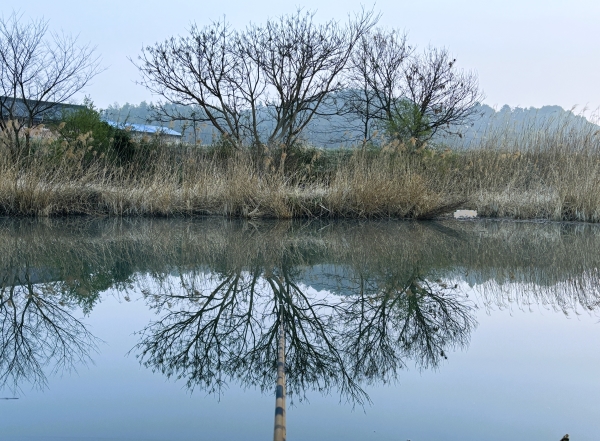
x,y
143,128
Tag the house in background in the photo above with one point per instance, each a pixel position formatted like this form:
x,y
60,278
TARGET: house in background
x,y
141,131
42,111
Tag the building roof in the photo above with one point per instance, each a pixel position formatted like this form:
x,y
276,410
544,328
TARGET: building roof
x,y
144,128
44,110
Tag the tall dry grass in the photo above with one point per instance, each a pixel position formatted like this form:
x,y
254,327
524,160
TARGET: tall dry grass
x,y
195,183
548,173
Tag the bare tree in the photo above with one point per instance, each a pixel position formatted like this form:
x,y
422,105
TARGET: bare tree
x,y
437,96
39,71
408,95
262,85
301,63
205,69
376,78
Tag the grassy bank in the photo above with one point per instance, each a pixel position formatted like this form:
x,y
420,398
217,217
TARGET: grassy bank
x,y
543,174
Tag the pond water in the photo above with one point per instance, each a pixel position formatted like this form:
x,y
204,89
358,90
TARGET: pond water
x,y
148,329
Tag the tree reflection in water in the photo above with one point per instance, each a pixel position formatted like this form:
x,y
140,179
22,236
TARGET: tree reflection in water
x,y
217,327
403,319
38,331
359,301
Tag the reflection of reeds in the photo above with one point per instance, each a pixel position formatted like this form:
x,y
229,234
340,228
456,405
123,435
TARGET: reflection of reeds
x,y
545,264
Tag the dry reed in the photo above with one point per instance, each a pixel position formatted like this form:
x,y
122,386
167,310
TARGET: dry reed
x,y
548,173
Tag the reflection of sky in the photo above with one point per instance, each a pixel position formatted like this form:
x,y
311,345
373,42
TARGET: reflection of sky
x,y
526,376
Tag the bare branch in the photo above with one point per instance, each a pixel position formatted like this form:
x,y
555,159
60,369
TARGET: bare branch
x,y
204,69
405,95
443,95
38,73
376,78
262,85
302,63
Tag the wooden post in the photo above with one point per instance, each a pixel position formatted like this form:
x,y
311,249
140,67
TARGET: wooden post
x,y
279,433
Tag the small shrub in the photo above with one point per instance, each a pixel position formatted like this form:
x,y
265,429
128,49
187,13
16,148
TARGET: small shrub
x,y
87,134
84,130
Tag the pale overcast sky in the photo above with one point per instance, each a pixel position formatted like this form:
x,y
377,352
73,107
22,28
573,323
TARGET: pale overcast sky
x,y
525,52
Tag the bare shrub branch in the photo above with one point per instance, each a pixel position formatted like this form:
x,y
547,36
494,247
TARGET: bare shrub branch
x,y
39,71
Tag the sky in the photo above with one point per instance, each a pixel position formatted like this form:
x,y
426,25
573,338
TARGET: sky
x,y
526,53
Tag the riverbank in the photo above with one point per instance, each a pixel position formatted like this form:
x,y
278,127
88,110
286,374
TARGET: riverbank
x,y
541,175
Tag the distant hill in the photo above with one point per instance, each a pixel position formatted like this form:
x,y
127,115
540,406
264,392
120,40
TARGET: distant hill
x,y
514,120
342,131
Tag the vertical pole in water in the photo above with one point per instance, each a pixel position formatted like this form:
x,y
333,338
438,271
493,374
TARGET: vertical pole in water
x,y
279,433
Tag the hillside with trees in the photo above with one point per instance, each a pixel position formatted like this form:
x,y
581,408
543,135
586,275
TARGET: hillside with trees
x,y
336,130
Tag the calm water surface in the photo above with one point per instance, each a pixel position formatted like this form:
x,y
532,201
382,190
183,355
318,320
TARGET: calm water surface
x,y
167,330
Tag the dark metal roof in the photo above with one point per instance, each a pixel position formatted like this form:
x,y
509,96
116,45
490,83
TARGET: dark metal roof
x,y
44,110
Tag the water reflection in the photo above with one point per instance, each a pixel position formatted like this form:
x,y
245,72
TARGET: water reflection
x,y
403,319
228,332
359,301
215,327
38,331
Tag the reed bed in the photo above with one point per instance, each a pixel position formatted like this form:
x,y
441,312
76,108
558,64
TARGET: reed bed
x,y
552,172
549,173
197,184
